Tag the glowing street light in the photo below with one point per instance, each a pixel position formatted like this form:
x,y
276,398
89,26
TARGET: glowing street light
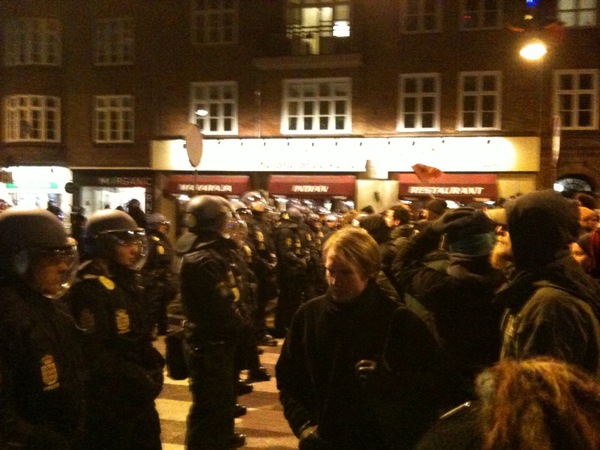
x,y
534,51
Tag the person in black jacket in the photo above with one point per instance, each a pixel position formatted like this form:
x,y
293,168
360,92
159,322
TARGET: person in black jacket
x,y
358,370
126,371
211,296
552,307
41,371
459,301
160,281
293,259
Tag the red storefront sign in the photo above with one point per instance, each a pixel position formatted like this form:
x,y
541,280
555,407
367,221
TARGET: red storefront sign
x,y
208,184
451,185
312,185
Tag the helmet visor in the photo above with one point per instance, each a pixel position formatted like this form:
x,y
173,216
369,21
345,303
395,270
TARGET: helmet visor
x,y
130,248
52,271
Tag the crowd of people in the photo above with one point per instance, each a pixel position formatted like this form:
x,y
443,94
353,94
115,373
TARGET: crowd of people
x,y
465,328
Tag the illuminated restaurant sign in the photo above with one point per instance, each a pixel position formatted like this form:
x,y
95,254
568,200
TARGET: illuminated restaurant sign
x,y
450,185
313,185
208,184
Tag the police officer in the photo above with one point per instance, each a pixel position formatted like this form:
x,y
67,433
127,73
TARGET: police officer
x,y
125,369
261,236
160,284
293,259
210,296
41,370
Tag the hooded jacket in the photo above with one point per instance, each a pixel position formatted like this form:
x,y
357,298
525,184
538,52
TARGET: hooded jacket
x,y
552,305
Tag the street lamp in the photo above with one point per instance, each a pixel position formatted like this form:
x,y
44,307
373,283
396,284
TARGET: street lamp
x,y
533,51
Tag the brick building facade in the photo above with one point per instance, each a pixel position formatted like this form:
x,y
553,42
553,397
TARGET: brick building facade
x,y
352,88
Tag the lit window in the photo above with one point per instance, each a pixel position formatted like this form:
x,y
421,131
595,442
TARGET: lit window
x,y
32,118
219,100
31,41
576,99
481,14
419,102
578,13
479,106
214,21
422,16
114,119
319,106
315,27
114,42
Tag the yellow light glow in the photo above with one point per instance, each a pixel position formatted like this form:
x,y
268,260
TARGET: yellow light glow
x,y
533,51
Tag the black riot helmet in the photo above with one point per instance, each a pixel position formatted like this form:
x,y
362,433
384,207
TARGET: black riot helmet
x,y
157,219
255,201
109,231
35,248
207,213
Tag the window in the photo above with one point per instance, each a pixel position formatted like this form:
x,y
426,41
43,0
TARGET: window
x,y
481,14
422,16
419,102
114,119
114,42
32,41
479,100
214,21
314,27
317,106
32,118
219,101
578,13
576,99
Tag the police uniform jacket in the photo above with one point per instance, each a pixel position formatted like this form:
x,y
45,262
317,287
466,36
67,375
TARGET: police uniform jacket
x,y
124,365
41,372
209,288
292,256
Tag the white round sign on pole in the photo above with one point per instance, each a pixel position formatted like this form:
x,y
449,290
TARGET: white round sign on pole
x,y
193,144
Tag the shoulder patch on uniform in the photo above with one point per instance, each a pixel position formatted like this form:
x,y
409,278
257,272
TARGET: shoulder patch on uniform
x,y
122,321
107,282
160,250
49,372
288,242
86,319
156,238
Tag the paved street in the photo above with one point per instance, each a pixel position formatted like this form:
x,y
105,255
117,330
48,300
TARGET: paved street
x,y
264,425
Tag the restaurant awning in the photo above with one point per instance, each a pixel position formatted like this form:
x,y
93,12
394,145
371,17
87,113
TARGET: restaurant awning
x,y
207,184
312,186
450,185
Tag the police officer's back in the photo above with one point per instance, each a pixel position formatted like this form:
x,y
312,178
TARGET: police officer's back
x,y
210,296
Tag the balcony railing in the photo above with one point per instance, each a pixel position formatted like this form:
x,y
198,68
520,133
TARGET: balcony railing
x,y
315,40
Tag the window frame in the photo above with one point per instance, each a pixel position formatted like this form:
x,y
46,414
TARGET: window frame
x,y
318,83
576,95
420,16
215,105
26,37
577,11
481,11
480,95
216,20
121,110
46,114
116,41
419,96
